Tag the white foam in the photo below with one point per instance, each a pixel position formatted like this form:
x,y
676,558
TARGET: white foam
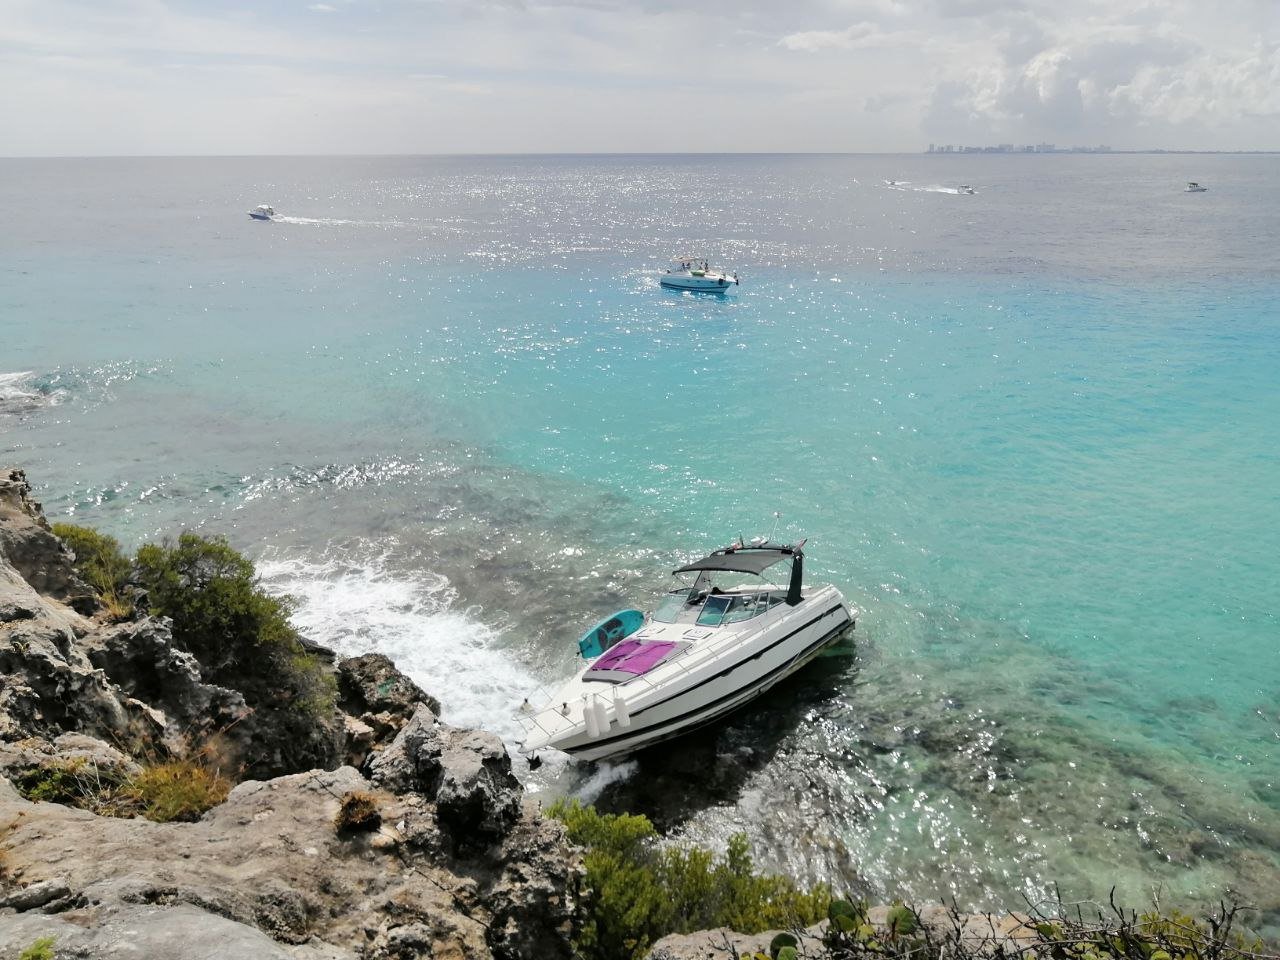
x,y
606,774
336,222
355,602
10,386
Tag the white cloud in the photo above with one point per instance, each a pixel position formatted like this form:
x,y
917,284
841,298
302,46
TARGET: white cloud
x,y
1121,73
518,75
812,41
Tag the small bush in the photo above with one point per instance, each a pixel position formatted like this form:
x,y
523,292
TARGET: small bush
x,y
41,949
102,565
77,783
358,813
641,891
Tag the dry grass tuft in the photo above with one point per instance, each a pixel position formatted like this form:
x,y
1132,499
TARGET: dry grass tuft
x,y
163,791
173,790
358,813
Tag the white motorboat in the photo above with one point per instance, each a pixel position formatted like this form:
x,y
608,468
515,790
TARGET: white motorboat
x,y
966,189
262,212
688,273
703,652
1193,187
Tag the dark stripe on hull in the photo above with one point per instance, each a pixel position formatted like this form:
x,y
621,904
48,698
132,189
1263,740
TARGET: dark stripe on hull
x,y
755,656
774,675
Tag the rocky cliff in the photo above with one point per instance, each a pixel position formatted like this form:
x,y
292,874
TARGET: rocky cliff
x,y
413,840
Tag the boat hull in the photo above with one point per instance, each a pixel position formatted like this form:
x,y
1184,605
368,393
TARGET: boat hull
x,y
697,284
259,216
750,673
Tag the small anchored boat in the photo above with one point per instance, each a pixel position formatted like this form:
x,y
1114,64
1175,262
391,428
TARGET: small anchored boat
x,y
1193,187
704,651
688,273
262,212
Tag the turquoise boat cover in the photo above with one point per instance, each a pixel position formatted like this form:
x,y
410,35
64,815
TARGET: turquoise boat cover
x,y
608,632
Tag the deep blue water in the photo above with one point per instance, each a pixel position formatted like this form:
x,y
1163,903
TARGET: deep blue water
x,y
1031,433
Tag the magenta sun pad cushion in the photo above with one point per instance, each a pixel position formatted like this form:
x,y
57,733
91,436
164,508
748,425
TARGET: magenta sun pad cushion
x,y
633,656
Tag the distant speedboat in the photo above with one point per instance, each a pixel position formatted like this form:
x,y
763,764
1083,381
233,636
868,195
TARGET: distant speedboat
x,y
687,273
262,212
966,189
1193,187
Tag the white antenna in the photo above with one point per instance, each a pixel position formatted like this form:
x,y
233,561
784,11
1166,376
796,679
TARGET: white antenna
x,y
776,517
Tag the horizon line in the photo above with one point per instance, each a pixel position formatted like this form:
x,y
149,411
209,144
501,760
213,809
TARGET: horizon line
x,y
641,153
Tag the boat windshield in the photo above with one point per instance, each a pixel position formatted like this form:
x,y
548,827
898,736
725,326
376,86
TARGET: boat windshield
x,y
669,607
734,608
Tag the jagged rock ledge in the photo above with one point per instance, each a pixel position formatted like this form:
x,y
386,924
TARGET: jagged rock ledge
x,y
975,934
447,860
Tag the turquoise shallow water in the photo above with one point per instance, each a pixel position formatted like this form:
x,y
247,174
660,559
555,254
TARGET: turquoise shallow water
x,y
1032,433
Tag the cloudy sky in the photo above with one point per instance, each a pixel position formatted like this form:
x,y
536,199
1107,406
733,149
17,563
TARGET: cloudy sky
x,y
89,77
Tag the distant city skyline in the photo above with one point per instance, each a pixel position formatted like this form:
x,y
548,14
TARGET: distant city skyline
x,y
130,77
1016,148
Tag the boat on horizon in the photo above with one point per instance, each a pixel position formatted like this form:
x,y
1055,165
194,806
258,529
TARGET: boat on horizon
x,y
1193,187
966,189
262,212
703,652
691,273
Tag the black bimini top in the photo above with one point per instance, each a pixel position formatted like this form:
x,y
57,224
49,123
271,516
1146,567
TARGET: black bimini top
x,y
754,560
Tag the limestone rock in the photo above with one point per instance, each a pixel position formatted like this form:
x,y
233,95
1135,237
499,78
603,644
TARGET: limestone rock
x,y
534,882
157,933
377,701
36,895
467,773
143,661
458,867
270,860
983,934
412,761
714,944
478,796
28,545
372,684
47,684
98,760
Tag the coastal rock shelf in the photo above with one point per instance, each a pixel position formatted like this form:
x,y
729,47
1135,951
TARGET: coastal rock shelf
x,y
445,858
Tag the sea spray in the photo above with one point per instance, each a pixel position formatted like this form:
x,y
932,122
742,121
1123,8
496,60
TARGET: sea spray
x,y
357,601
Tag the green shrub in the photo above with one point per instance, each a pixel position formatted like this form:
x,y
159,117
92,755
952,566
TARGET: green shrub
x,y
640,891
780,942
218,610
75,783
41,949
242,638
101,563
